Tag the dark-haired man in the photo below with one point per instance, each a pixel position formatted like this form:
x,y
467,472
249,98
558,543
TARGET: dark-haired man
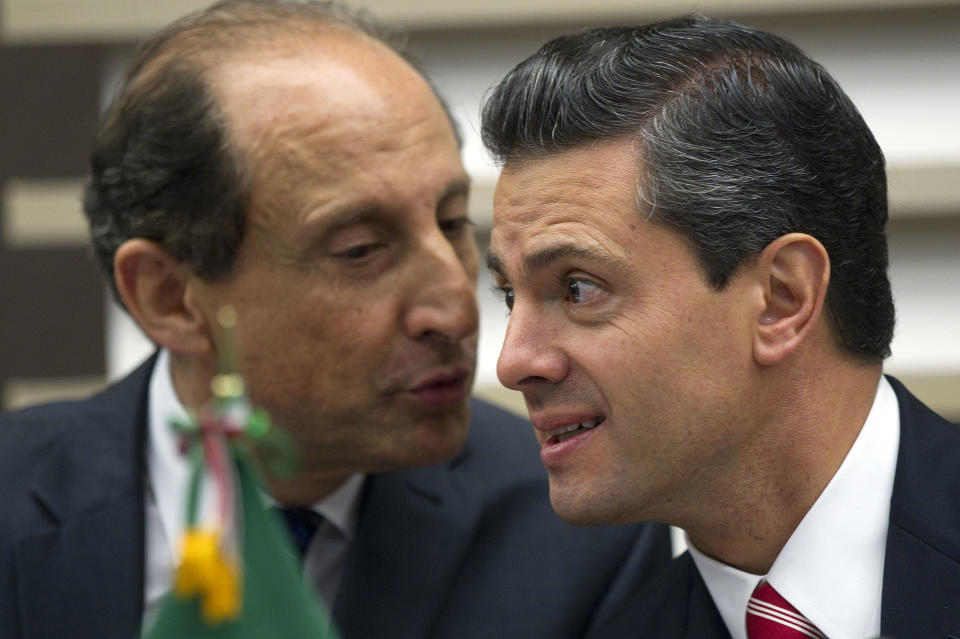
x,y
281,158
689,232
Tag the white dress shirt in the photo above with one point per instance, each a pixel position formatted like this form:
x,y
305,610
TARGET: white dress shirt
x,y
168,474
831,568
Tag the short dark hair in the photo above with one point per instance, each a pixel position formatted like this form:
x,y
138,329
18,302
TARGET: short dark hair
x,y
164,166
743,139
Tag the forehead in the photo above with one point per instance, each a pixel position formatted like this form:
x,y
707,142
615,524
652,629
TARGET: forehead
x,y
339,122
346,85
586,195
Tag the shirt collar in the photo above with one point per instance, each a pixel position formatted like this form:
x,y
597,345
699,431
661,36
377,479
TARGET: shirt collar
x,y
168,471
342,507
729,588
831,568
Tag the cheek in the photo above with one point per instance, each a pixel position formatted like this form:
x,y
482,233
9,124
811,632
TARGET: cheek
x,y
647,338
289,335
360,342
300,358
652,362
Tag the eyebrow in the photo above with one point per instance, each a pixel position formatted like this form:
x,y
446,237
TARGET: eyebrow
x,y
544,257
494,263
459,187
360,213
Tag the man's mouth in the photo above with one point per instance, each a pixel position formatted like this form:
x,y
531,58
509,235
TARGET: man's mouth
x,y
564,433
442,388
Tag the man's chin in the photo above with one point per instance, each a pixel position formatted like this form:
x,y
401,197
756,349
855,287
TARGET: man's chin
x,y
580,509
433,448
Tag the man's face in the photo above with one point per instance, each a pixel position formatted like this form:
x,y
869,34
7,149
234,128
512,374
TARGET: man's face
x,y
614,327
354,286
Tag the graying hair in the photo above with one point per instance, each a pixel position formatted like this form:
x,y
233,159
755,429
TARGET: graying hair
x,y
743,139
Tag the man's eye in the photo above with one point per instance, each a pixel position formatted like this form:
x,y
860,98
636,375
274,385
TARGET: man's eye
x,y
506,294
454,226
581,291
359,251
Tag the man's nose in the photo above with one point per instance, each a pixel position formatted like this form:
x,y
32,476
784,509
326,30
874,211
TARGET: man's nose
x,y
445,302
530,353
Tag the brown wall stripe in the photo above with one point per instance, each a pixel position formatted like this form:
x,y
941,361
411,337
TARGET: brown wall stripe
x,y
51,296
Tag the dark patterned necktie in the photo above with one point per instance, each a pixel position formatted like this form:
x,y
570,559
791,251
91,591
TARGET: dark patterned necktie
x,y
770,616
302,524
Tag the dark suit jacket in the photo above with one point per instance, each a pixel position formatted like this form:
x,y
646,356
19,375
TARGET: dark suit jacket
x,y
465,549
921,580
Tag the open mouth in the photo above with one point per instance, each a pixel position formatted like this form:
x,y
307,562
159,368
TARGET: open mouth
x,y
565,433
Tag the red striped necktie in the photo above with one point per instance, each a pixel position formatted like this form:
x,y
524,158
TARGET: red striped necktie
x,y
770,616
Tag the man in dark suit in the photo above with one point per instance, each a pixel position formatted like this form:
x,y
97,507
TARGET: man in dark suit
x,y
283,159
689,230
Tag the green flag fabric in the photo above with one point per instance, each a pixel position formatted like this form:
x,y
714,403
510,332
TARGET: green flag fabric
x,y
275,601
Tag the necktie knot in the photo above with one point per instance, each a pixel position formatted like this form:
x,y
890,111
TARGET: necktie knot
x,y
770,616
302,524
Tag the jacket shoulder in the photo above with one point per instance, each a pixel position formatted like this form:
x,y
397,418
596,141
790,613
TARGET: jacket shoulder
x,y
55,439
929,456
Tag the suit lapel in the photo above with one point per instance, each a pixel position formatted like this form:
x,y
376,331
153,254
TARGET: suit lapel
x,y
921,584
414,528
921,589
82,574
703,618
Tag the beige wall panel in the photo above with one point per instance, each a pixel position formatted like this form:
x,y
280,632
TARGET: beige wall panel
x,y
480,203
941,392
110,20
43,212
35,20
914,191
19,393
924,190
443,13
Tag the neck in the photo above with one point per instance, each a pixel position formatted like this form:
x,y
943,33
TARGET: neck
x,y
305,489
794,453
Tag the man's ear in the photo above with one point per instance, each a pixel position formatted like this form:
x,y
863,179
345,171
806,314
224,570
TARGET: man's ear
x,y
795,272
157,292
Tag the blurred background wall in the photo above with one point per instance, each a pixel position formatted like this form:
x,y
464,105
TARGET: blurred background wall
x,y
60,336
